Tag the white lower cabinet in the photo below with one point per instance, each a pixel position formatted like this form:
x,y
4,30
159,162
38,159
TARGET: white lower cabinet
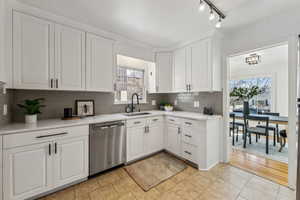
x,y
144,137
27,171
44,161
173,139
135,146
71,160
1,168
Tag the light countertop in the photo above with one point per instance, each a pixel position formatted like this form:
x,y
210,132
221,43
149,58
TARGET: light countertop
x,y
58,123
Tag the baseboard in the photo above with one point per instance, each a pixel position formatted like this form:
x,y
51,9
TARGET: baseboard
x,y
210,167
57,189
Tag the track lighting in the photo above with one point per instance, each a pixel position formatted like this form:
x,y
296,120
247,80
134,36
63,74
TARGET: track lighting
x,y
219,23
201,6
211,15
214,11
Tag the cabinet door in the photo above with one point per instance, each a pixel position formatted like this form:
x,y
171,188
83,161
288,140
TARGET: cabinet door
x,y
164,72
154,139
27,171
69,58
70,160
173,140
135,143
100,63
179,71
201,66
33,48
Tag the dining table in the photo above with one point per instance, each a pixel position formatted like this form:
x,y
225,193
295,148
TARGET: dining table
x,y
278,120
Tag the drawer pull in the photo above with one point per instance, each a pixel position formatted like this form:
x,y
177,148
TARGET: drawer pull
x,y
46,136
137,122
55,148
172,120
188,123
189,136
154,120
187,152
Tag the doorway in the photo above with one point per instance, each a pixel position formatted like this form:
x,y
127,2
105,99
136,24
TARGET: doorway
x,y
253,157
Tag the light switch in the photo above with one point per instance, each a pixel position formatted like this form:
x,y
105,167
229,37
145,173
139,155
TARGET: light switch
x,y
5,109
175,103
196,104
153,102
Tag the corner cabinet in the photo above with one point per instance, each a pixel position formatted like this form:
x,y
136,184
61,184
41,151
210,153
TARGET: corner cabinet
x,y
41,161
100,63
164,73
197,67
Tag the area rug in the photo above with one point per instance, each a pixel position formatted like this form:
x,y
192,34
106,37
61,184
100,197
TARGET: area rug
x,y
152,171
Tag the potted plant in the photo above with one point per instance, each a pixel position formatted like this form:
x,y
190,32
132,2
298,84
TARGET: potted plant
x,y
32,108
245,94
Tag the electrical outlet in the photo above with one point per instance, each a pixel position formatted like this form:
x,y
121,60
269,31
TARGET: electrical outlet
x,y
153,102
175,103
196,104
4,89
5,109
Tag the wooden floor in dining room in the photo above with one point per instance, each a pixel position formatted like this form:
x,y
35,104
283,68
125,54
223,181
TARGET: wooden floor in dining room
x,y
273,170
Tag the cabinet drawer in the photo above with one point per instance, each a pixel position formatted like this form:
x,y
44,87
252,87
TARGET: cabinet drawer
x,y
190,136
189,123
34,137
136,122
155,120
173,120
189,152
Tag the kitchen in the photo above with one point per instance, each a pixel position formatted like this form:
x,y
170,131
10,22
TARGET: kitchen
x,y
73,65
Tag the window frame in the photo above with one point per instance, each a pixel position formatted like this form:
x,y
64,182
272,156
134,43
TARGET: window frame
x,y
145,90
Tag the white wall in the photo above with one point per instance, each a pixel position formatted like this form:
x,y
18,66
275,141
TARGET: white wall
x,y
279,74
2,40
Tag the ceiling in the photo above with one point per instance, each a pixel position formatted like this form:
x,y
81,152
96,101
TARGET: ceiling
x,y
161,23
275,57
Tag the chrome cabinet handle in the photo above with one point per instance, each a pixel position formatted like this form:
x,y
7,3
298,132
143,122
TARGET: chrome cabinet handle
x,y
179,130
45,136
56,83
189,136
187,152
154,120
172,120
137,122
51,83
188,123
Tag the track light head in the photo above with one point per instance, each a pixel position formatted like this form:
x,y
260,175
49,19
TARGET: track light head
x,y
219,23
202,6
211,15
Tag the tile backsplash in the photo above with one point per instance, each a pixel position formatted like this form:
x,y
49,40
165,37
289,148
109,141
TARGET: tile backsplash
x,y
5,99
56,101
185,101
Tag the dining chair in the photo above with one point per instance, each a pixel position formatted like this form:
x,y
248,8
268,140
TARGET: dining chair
x,y
258,131
275,128
283,137
233,128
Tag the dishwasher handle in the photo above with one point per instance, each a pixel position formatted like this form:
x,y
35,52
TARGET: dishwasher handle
x,y
106,126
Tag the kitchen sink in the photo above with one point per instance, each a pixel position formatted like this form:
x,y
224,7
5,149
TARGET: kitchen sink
x,y
136,114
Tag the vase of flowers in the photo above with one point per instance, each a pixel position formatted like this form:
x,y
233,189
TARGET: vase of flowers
x,y
32,108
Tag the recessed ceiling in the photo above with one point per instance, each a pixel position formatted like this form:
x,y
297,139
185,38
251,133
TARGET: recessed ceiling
x,y
271,58
161,23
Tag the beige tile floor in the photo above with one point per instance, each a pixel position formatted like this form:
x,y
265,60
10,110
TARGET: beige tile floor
x,y
223,182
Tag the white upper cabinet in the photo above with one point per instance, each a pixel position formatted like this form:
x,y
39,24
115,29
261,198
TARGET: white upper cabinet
x,y
100,63
69,58
197,67
164,72
2,71
33,49
179,71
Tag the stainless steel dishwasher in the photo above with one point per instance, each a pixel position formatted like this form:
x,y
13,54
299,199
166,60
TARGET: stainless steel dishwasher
x,y
107,146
